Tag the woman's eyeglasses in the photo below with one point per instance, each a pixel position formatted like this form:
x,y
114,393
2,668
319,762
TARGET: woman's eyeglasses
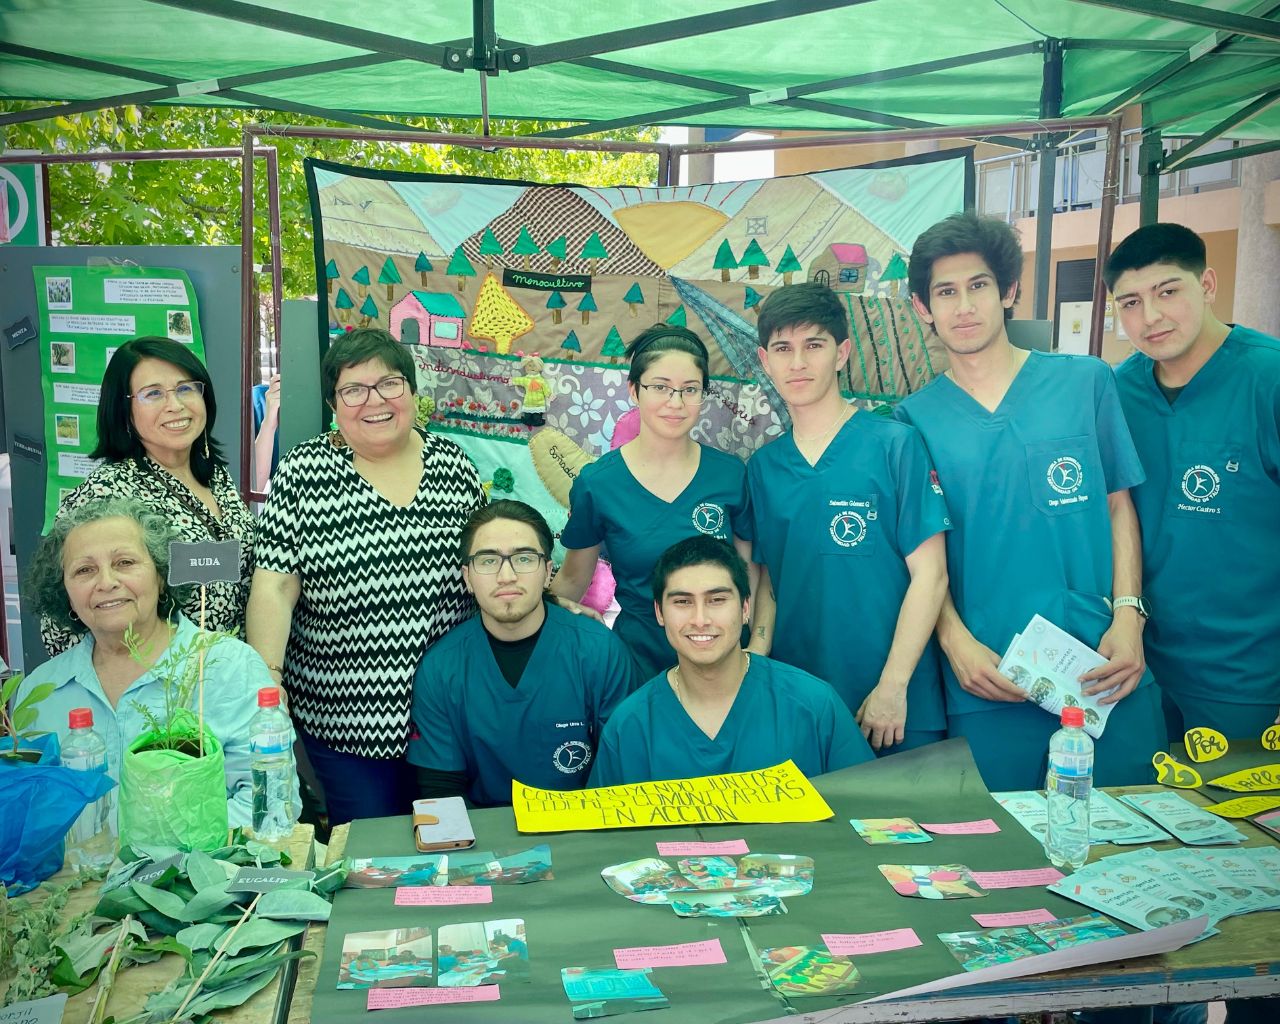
x,y
691,395
355,395
185,392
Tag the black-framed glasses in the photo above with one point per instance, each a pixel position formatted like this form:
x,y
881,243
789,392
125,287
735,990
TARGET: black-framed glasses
x,y
489,563
355,395
187,391
692,395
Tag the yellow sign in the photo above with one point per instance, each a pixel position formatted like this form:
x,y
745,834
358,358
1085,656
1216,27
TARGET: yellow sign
x,y
1171,772
1204,744
776,794
1244,806
1250,780
1271,738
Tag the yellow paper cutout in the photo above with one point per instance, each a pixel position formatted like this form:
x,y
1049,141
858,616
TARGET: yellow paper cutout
x,y
1271,738
1262,779
1243,806
1171,772
776,794
1204,744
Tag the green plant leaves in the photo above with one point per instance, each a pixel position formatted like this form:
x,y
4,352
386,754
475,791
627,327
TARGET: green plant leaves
x,y
206,904
167,903
263,932
205,872
201,936
292,904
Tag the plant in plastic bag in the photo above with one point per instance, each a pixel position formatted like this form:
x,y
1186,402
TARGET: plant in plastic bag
x,y
16,725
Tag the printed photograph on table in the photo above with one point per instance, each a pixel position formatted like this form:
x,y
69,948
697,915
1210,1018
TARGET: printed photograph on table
x,y
389,872
886,831
645,881
783,874
756,901
809,971
400,958
710,872
932,881
609,991
483,867
1076,931
482,953
991,946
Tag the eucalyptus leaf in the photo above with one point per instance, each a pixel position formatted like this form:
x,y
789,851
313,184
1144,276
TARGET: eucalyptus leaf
x,y
265,854
85,949
201,936
118,902
205,904
232,995
205,872
162,900
158,922
261,932
290,904
222,979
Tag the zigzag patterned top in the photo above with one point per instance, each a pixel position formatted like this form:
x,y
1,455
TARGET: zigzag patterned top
x,y
380,584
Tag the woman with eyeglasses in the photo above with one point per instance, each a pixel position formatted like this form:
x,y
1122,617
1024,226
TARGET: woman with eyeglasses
x,y
358,573
156,414
663,486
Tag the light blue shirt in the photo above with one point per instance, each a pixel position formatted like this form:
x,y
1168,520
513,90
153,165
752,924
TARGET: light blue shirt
x,y
233,674
1209,510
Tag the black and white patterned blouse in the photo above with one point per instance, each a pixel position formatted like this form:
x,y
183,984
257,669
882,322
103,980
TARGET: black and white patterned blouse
x,y
379,584
169,496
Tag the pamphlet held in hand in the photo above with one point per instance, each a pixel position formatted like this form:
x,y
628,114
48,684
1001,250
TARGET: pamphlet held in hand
x,y
1048,662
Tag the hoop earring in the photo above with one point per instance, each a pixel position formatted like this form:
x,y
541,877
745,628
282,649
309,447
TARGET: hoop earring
x,y
71,613
206,444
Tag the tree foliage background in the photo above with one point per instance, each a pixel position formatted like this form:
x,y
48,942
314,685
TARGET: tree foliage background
x,y
198,202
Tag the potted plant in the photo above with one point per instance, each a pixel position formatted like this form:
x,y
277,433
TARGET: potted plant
x,y
39,798
173,789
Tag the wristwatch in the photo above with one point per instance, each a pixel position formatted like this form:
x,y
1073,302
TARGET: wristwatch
x,y
1139,603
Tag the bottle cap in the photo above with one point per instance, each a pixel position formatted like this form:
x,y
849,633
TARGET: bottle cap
x,y
1073,716
269,697
80,718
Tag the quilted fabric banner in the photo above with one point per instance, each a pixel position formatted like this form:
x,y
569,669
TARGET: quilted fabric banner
x,y
518,299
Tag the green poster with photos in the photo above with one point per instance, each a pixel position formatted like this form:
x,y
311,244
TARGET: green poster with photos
x,y
86,313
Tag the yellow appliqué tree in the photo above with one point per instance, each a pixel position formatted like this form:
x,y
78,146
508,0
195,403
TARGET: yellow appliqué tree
x,y
497,317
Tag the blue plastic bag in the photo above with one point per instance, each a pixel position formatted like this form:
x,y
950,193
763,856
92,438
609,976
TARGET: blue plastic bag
x,y
38,804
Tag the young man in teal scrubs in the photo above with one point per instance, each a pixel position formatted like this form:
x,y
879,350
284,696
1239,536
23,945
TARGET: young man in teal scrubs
x,y
1037,463
1203,402
848,521
521,690
720,709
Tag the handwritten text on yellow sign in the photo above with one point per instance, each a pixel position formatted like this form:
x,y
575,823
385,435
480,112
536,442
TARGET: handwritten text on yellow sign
x,y
1251,780
776,794
1244,806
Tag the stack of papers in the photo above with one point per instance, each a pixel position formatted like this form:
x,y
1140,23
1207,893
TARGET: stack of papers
x,y
1184,820
1110,821
1048,662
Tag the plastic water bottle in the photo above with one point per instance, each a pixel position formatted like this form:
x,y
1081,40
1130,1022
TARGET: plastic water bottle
x,y
272,768
1067,787
91,843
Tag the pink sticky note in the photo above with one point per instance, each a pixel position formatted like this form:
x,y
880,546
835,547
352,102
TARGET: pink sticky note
x,y
1016,879
442,895
724,849
682,954
1014,918
871,942
391,998
963,828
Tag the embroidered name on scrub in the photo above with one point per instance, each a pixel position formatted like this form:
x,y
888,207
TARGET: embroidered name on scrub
x,y
1065,477
1200,485
849,523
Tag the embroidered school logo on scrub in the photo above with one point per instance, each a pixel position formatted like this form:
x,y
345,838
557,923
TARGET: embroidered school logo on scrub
x,y
848,529
1201,484
571,757
1065,475
708,518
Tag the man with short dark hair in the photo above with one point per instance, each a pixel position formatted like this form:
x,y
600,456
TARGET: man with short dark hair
x,y
1037,464
849,521
720,709
522,690
1202,399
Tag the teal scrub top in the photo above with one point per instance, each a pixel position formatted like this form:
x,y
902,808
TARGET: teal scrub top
x,y
835,537
543,732
1027,489
608,506
1210,514
780,713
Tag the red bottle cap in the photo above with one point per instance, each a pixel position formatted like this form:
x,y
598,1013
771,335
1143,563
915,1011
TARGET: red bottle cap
x,y
80,718
1073,716
269,697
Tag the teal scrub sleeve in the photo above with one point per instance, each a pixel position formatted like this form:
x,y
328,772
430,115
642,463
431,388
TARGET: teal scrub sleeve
x,y
583,529
618,679
922,509
845,744
1121,467
755,492
740,513
435,743
607,770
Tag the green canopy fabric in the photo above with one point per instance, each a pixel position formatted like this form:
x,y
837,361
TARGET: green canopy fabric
x,y
846,65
